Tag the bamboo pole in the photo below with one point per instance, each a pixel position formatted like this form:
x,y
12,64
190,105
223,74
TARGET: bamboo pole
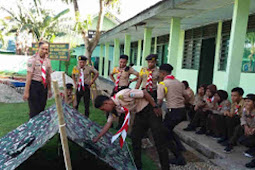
x,y
64,86
62,129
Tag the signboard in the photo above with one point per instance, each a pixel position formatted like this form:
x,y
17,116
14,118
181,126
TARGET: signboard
x,y
92,33
58,51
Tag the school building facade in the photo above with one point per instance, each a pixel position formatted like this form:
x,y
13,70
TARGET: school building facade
x,y
206,41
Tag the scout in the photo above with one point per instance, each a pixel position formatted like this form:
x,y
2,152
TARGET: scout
x,y
149,77
148,115
122,81
38,81
71,98
81,75
174,92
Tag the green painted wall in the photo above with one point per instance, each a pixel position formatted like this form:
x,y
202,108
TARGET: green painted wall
x,y
107,24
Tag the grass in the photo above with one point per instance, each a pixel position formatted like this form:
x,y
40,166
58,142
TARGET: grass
x,y
13,115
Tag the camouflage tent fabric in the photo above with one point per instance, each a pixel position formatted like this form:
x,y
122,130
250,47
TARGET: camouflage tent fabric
x,y
18,145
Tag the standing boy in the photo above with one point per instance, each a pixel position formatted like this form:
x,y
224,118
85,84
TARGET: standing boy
x,y
81,75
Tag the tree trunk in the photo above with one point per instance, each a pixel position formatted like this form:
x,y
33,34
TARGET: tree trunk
x,y
76,7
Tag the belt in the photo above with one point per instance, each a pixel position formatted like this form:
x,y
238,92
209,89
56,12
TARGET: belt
x,y
172,109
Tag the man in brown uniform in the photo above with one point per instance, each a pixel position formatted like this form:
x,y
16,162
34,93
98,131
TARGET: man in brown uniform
x,y
148,115
81,75
123,73
149,77
38,83
174,92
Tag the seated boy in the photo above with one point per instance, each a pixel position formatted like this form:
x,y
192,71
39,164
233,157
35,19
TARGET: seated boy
x,y
245,132
71,97
147,115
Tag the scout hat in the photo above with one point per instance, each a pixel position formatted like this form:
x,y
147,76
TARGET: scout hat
x,y
250,97
69,85
152,57
124,57
82,57
166,67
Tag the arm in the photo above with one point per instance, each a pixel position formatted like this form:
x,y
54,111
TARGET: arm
x,y
74,101
27,87
48,78
112,73
74,81
105,129
136,78
138,84
95,77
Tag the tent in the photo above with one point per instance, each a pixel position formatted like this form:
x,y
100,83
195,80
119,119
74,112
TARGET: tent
x,y
21,143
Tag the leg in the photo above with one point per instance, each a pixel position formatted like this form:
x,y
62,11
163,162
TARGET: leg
x,y
44,94
34,100
232,123
78,97
87,100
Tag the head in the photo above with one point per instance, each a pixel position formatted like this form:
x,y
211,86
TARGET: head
x,y
201,90
104,103
123,61
237,94
220,96
164,70
69,89
82,61
249,102
152,60
210,91
44,47
186,84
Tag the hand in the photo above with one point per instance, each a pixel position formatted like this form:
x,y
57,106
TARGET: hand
x,y
95,140
26,96
49,93
157,111
246,130
90,84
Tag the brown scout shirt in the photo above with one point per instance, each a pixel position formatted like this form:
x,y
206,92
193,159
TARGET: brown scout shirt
x,y
224,106
248,118
198,99
124,78
87,70
191,95
35,67
143,75
239,106
173,91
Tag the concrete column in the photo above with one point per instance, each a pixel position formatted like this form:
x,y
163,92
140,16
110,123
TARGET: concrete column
x,y
127,45
139,48
155,45
217,50
116,52
173,45
101,55
106,60
132,58
236,45
146,44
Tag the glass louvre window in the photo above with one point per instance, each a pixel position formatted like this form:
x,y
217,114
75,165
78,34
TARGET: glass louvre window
x,y
224,53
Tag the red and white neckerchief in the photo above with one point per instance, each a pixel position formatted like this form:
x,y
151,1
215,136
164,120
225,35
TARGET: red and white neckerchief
x,y
210,100
117,80
81,81
149,83
220,107
169,77
43,69
124,128
236,109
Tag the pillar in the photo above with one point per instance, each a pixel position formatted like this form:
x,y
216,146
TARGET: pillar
x,y
106,60
173,45
236,45
116,54
139,50
101,59
155,46
146,44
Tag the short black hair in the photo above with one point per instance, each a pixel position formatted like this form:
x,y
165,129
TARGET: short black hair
x,y
223,95
99,100
43,42
186,84
166,67
239,90
124,57
69,86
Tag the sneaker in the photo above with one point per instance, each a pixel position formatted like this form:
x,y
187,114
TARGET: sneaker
x,y
225,143
251,164
216,137
250,153
221,140
201,131
228,149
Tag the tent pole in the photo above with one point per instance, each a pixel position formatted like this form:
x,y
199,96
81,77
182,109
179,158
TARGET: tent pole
x,y
64,86
62,129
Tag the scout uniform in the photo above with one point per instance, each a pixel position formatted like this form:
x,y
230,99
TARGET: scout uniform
x,y
38,91
247,119
173,91
150,78
83,79
145,118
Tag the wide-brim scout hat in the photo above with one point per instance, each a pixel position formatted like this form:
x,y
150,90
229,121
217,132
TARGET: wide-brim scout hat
x,y
152,57
124,57
250,97
166,67
82,57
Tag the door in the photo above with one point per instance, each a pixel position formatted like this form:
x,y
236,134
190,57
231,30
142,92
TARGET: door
x,y
206,66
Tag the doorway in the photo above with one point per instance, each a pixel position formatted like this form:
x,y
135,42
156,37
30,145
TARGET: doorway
x,y
206,65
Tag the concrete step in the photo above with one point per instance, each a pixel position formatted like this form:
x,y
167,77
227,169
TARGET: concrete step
x,y
212,150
